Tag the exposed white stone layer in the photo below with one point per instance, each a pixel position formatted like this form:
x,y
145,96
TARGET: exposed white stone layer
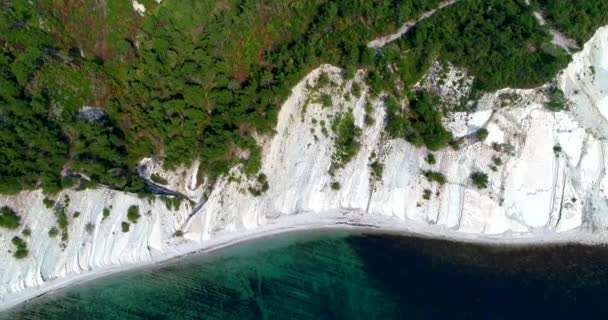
x,y
138,7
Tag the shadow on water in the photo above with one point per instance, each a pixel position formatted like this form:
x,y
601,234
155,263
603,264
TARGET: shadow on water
x,y
438,279
344,275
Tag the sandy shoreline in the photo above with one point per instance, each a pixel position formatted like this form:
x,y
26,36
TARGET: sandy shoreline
x,y
304,223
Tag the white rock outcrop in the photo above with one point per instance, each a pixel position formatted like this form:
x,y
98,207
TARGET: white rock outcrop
x,y
138,7
534,190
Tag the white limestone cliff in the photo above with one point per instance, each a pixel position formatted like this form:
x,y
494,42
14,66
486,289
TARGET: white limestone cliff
x,y
535,193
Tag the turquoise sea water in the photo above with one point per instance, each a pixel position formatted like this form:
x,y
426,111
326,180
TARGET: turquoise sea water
x,y
345,275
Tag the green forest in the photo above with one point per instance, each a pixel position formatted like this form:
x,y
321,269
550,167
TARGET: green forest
x,y
578,19
89,88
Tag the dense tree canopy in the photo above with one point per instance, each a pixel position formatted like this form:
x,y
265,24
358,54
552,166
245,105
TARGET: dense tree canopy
x,y
191,79
578,19
88,88
499,42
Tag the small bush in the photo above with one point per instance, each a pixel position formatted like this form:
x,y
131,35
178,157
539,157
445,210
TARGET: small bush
x,y
261,185
9,218
426,195
133,214
171,203
62,222
53,232
454,144
482,134
369,120
346,141
48,203
326,100
430,159
22,251
335,185
557,100
323,80
557,149
435,176
356,89
156,178
106,213
179,233
89,228
76,214
27,232
480,180
497,161
125,226
377,169
349,72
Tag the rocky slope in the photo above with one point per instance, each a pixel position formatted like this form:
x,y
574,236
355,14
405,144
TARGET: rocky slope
x,y
539,189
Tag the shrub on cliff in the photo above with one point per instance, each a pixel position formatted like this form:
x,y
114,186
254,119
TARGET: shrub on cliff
x,y
435,176
9,218
133,214
53,232
346,141
482,134
158,179
479,179
426,122
106,213
21,245
578,19
557,100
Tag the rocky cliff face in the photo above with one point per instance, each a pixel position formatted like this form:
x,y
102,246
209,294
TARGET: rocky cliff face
x,y
550,178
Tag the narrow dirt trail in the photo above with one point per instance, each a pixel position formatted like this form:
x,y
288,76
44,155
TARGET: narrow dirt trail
x,y
382,41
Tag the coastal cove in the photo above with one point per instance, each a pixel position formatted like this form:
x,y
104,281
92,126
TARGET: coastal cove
x,y
365,187
355,273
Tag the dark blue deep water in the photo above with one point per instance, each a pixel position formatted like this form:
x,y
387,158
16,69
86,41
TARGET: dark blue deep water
x,y
346,275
